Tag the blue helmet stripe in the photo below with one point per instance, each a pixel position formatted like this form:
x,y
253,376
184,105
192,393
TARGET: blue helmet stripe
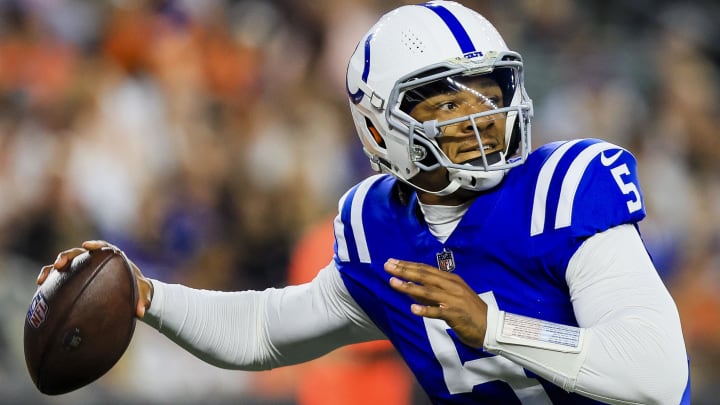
x,y
457,29
358,95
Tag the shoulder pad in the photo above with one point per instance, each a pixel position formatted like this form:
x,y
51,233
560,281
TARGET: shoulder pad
x,y
349,224
587,185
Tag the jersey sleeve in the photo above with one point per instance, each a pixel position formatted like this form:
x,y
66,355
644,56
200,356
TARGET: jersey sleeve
x,y
359,240
361,212
601,190
587,186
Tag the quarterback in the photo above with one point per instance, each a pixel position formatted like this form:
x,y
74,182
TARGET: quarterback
x,y
502,274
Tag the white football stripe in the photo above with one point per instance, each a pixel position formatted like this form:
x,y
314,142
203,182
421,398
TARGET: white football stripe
x,y
356,217
572,179
339,227
537,221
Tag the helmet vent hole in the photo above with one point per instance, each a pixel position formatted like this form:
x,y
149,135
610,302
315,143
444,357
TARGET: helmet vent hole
x,y
412,42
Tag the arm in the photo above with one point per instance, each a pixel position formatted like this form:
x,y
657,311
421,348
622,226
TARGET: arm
x,y
632,350
258,330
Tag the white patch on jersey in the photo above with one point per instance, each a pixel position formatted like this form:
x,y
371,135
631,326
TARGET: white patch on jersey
x,y
569,187
356,210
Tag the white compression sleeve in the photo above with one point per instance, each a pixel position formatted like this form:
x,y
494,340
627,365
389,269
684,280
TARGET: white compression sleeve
x,y
632,349
259,330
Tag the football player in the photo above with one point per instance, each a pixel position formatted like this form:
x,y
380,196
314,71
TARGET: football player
x,y
501,275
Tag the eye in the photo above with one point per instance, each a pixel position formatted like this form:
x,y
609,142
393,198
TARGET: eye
x,y
492,102
447,106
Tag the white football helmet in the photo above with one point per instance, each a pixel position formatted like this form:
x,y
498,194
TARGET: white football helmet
x,y
416,51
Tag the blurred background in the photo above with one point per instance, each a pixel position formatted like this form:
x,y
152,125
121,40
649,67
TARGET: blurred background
x,y
207,138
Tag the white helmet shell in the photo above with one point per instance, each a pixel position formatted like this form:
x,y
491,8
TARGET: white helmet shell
x,y
414,42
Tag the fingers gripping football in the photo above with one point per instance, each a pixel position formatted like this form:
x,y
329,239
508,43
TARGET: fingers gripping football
x,y
63,258
145,288
441,295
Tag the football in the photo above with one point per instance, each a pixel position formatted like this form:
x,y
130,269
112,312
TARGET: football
x,y
80,321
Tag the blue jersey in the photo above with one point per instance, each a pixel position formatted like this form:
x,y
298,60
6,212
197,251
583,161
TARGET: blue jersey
x,y
515,240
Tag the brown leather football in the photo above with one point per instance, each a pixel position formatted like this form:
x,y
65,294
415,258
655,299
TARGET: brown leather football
x,y
80,321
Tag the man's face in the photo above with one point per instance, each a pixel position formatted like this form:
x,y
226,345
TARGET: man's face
x,y
465,97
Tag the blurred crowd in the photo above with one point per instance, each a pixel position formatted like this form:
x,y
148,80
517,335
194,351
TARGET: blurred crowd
x,y
204,137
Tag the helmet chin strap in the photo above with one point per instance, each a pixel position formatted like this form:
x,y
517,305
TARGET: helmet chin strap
x,y
468,180
460,179
452,187
479,181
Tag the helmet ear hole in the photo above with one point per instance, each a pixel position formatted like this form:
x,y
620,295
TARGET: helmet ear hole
x,y
375,133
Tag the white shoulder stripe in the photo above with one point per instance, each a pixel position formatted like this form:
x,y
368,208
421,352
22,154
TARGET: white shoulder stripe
x,y
537,222
339,228
356,217
572,181
356,223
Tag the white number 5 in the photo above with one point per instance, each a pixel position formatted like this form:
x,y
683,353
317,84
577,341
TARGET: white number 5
x,y
462,377
627,188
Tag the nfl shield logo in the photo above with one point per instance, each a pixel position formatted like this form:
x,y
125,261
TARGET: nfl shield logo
x,y
445,260
38,310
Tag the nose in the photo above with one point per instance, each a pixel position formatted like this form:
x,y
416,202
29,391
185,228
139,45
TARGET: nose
x,y
483,124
